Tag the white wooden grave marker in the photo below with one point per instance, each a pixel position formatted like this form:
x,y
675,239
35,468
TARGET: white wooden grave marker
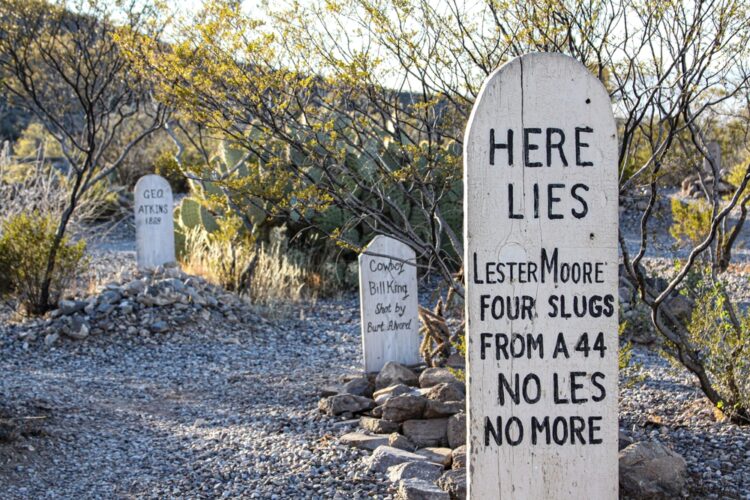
x,y
154,227
541,196
388,303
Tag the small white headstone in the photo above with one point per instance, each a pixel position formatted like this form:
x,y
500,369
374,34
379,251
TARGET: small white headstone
x,y
154,226
388,304
541,216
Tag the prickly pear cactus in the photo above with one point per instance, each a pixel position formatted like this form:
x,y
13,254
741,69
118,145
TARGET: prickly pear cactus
x,y
193,214
190,213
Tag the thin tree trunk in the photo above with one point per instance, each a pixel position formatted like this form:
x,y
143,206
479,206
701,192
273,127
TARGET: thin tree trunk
x,y
42,304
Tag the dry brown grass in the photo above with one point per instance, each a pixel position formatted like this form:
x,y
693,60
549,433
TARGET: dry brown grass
x,y
270,275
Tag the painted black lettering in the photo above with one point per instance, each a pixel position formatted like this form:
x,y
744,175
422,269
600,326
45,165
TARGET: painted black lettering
x,y
528,146
495,432
575,387
579,214
593,429
577,425
552,199
508,146
511,213
580,145
595,382
557,145
538,426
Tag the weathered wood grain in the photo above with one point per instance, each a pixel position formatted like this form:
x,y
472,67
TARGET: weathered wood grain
x,y
572,209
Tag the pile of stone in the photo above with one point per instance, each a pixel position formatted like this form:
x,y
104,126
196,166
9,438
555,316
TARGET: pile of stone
x,y
414,422
150,302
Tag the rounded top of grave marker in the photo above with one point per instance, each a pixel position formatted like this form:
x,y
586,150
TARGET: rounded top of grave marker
x,y
556,71
386,245
150,181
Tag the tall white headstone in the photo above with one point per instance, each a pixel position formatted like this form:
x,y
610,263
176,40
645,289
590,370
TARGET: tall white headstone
x,y
541,196
388,303
154,226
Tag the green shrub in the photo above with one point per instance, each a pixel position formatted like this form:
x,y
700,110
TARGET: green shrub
x,y
721,334
25,244
166,165
691,222
736,174
35,140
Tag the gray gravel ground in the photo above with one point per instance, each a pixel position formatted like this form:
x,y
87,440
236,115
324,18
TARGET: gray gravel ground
x,y
209,411
663,403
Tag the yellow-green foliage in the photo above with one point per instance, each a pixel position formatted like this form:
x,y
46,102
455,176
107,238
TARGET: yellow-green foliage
x,y
724,348
629,371
737,174
15,173
460,346
625,353
691,221
25,244
166,165
35,140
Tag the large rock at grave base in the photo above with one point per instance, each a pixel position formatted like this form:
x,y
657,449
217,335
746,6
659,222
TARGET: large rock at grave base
x,y
419,489
378,425
450,391
443,409
78,329
383,395
651,470
364,441
457,430
435,376
426,471
458,457
358,386
395,373
344,403
454,483
404,407
133,288
623,441
385,456
68,307
330,390
440,456
456,361
396,440
427,433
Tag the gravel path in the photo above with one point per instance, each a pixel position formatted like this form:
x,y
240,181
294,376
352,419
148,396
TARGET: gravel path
x,y
662,403
208,411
